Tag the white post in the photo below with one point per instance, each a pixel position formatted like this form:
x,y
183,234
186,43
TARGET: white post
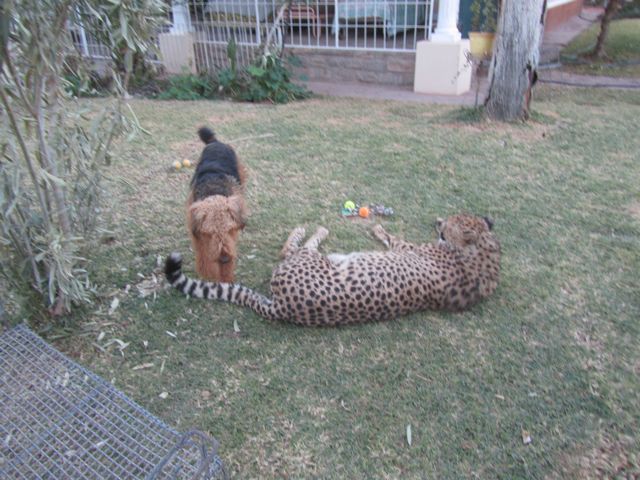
x,y
447,29
181,17
442,67
83,41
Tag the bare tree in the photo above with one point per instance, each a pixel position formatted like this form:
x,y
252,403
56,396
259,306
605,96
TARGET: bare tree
x,y
515,59
609,11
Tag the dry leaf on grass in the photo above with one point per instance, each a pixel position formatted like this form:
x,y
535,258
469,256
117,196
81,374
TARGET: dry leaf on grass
x,y
143,365
114,305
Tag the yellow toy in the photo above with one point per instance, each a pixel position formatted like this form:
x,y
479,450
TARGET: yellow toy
x,y
349,205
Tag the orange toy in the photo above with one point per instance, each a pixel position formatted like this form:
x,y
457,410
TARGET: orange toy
x,y
363,212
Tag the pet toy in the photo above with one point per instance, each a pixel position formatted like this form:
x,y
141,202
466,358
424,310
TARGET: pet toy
x,y
352,209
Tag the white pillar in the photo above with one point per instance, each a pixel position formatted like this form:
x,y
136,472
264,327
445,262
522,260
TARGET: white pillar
x,y
181,17
442,67
447,29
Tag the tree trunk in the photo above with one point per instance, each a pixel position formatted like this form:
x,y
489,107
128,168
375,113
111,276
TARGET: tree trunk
x,y
609,11
515,59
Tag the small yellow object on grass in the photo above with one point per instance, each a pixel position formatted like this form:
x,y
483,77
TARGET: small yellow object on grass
x,y
177,165
186,163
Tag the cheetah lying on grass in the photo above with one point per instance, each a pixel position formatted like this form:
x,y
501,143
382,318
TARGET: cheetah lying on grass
x,y
308,288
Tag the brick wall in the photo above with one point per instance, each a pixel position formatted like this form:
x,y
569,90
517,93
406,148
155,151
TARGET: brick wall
x,y
390,68
557,15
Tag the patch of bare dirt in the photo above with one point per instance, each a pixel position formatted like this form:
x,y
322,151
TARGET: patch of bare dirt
x,y
190,149
612,458
634,210
530,132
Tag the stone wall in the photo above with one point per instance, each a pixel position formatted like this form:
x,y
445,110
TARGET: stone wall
x,y
387,68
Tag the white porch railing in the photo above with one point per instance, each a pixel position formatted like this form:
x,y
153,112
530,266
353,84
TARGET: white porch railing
x,y
364,25
339,24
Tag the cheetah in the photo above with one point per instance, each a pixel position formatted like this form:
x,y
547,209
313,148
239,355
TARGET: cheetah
x,y
311,289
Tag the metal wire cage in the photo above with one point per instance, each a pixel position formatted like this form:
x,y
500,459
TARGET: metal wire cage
x,y
59,421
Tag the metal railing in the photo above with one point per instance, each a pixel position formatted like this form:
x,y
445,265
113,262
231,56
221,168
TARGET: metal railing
x,y
363,25
339,24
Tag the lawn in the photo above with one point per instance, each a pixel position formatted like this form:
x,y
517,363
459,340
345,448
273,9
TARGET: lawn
x,y
622,50
552,355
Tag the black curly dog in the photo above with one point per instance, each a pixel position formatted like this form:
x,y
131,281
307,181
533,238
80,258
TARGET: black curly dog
x,y
217,172
216,208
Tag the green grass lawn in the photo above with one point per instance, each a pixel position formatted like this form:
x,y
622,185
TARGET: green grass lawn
x,y
552,354
622,48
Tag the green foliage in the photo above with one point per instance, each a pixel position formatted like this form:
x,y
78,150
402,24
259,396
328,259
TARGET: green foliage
x,y
629,9
622,48
78,84
267,80
53,150
229,81
126,26
188,87
232,54
484,15
270,80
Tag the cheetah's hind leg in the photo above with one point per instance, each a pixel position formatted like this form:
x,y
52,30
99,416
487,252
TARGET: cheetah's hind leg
x,y
293,242
316,239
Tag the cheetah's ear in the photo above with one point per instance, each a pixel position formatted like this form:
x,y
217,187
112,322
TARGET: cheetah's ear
x,y
488,221
439,224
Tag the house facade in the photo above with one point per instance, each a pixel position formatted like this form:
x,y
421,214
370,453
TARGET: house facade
x,y
371,41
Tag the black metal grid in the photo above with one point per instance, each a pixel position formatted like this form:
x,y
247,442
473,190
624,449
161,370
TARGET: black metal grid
x,y
59,421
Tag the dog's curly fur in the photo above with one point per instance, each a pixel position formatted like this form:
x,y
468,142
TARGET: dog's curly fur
x,y
216,211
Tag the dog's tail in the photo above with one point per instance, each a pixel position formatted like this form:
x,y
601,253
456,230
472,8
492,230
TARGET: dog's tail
x,y
228,292
206,135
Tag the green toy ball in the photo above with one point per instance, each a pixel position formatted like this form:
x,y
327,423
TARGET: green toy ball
x,y
349,205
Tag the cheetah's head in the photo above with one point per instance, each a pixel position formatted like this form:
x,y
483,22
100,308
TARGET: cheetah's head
x,y
464,230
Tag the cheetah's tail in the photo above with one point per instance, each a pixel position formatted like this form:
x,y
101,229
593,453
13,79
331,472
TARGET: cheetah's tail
x,y
227,292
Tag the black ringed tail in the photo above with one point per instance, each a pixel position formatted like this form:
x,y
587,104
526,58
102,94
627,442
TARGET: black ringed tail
x,y
227,292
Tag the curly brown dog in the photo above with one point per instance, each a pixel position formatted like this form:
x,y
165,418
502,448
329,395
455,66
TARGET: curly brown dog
x,y
216,209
